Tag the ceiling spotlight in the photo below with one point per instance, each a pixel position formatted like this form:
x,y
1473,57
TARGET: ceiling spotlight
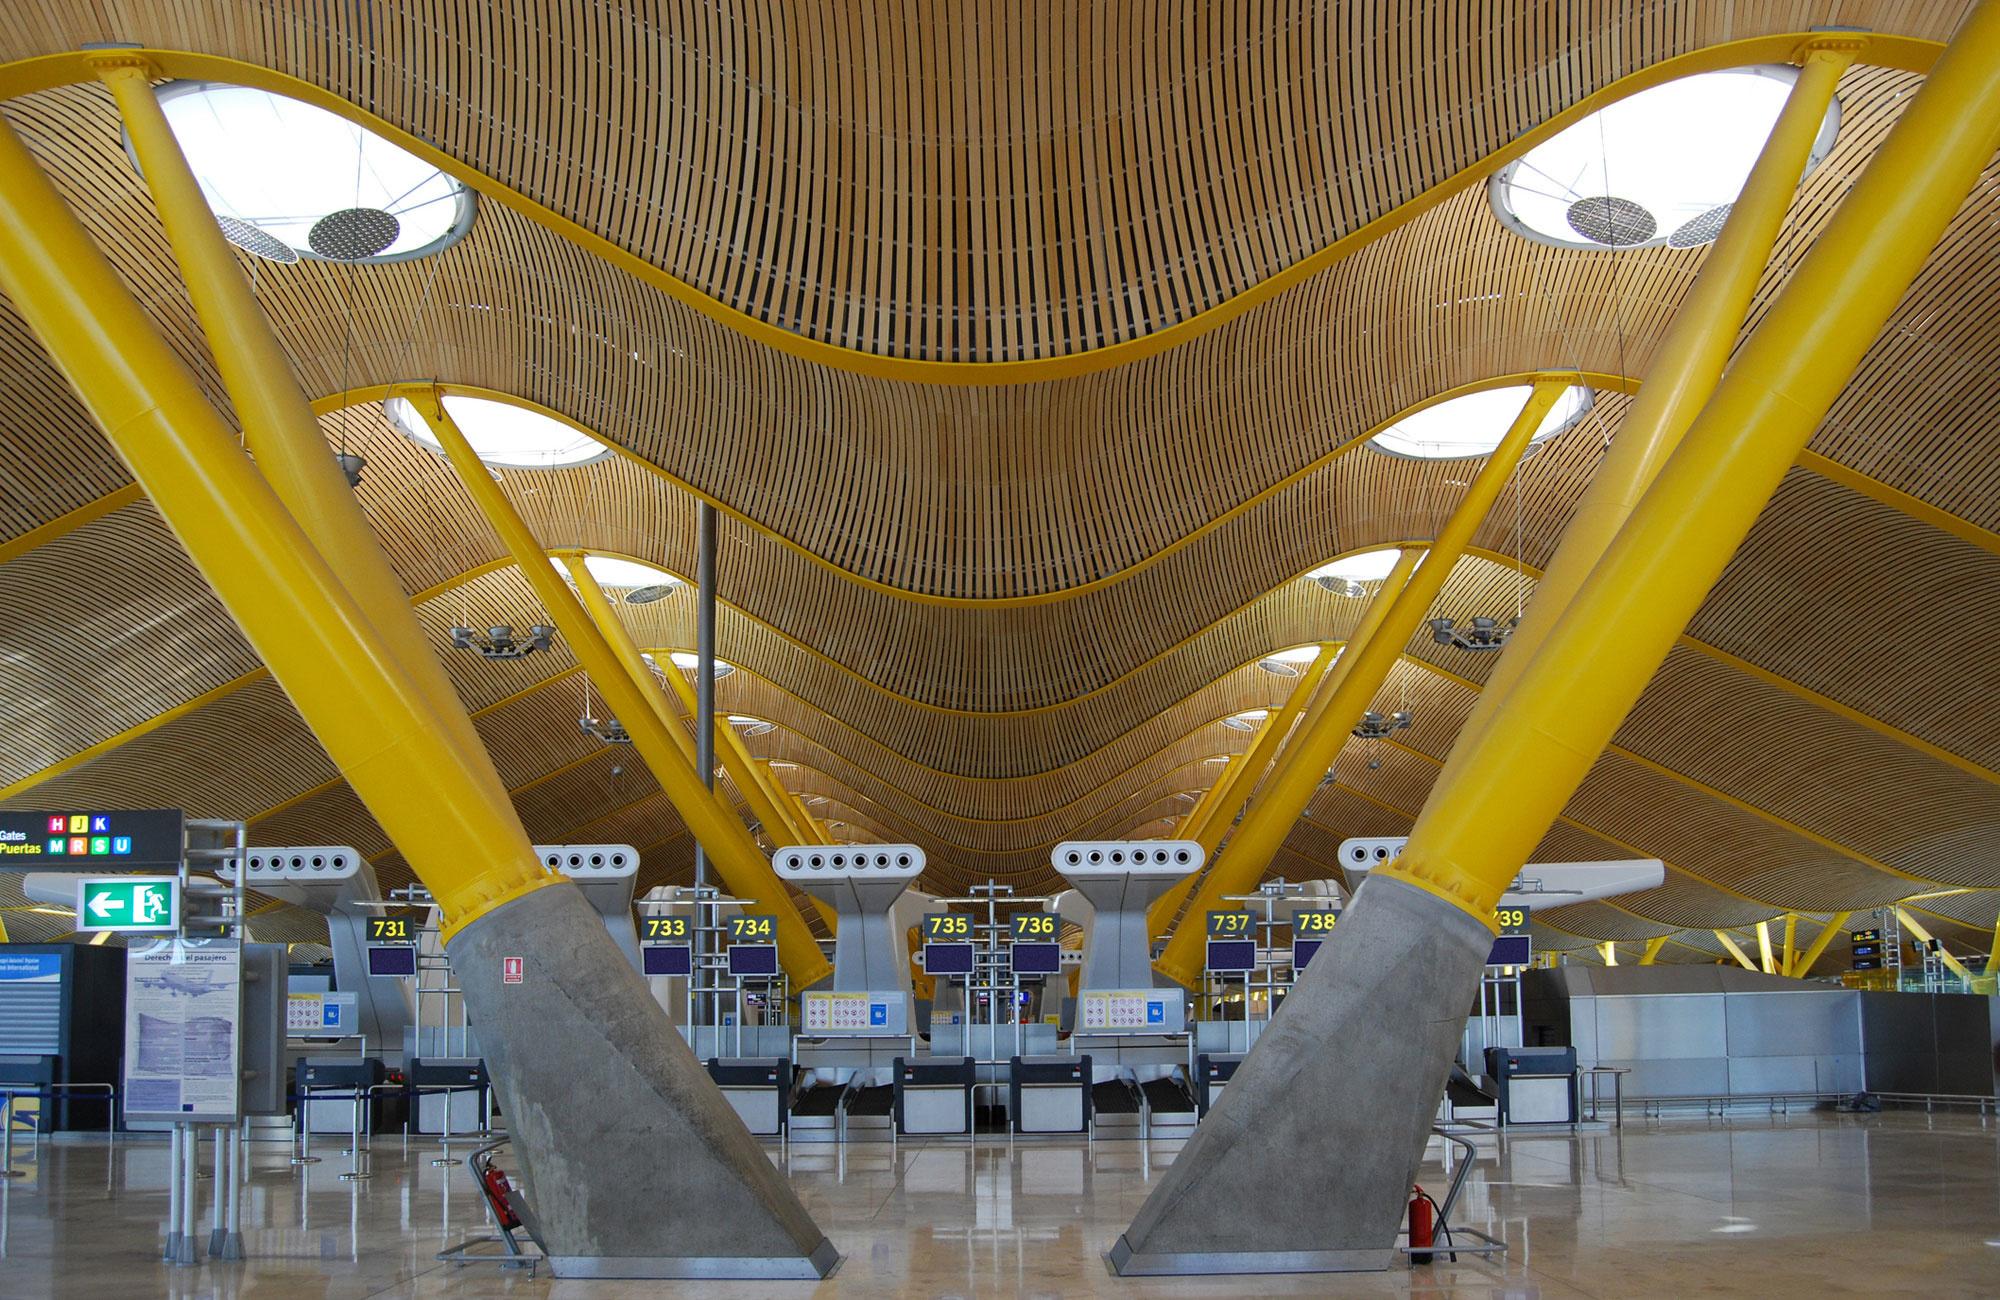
x,y
1374,726
608,730
351,466
1480,635
499,642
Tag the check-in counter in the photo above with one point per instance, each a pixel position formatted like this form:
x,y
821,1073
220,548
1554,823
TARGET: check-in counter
x,y
1049,1094
758,1088
1537,1085
1212,1072
934,1094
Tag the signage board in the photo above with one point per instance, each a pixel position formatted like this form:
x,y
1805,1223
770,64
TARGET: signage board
x,y
1228,925
1864,936
30,968
1316,925
1867,963
1034,958
391,929
753,928
134,904
183,1031
145,837
1036,927
667,959
1231,956
664,929
513,970
945,926
321,1015
861,1014
1511,920
753,960
948,959
1131,1011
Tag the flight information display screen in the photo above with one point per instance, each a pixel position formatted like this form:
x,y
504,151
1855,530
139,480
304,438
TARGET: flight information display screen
x,y
947,959
1037,958
393,959
668,959
1232,956
753,959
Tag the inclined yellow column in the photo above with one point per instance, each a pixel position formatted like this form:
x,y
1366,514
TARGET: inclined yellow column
x,y
1198,815
278,423
743,868
365,708
1802,967
1498,795
1239,782
1364,666
630,658
1684,371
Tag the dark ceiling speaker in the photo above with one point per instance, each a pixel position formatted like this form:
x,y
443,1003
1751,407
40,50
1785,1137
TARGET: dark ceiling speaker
x,y
1612,221
352,234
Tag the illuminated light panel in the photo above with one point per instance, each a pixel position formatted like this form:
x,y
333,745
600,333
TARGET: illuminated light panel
x,y
1659,167
1246,720
287,180
502,434
1368,566
1286,663
1473,425
614,574
689,660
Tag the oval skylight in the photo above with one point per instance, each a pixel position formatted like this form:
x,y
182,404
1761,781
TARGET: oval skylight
x,y
1659,167
502,434
690,661
1246,720
1286,663
1474,423
629,577
1348,575
751,726
287,180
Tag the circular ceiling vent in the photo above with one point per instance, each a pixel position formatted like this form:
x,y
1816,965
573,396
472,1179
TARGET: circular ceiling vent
x,y
647,595
352,234
253,239
1696,231
1612,221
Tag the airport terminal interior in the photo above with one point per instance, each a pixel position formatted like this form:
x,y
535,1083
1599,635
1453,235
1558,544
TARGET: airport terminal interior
x,y
904,647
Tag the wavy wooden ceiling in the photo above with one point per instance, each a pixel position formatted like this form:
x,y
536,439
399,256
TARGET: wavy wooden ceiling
x,y
989,618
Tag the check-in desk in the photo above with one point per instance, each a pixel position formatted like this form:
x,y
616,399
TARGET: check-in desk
x,y
934,1095
1537,1085
1212,1073
1049,1094
758,1088
460,1110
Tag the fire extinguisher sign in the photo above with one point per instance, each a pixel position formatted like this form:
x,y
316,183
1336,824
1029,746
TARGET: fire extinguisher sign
x,y
512,970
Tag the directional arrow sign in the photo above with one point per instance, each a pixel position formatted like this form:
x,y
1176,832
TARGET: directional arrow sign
x,y
141,904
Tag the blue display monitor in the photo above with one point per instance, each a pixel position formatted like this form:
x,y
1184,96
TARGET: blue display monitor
x,y
947,959
1303,950
753,959
1511,950
1232,956
1038,959
668,959
393,959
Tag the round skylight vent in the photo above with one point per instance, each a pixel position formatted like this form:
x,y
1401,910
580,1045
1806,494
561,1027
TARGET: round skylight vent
x,y
1659,167
1472,424
287,179
502,434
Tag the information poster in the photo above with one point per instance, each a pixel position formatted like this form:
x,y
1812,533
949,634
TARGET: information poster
x,y
1125,1009
183,1030
838,1013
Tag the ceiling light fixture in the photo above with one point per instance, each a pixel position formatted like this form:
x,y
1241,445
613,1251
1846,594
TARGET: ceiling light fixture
x,y
499,641
1374,726
1663,166
1481,635
288,180
1350,574
1473,424
609,730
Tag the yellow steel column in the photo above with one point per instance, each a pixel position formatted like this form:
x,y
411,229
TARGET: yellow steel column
x,y
1803,966
1242,784
1685,369
1924,936
736,763
1364,666
1765,961
1653,947
808,825
1735,949
1790,952
278,423
630,659
743,867
1198,816
1500,792
1992,955
375,722
1609,951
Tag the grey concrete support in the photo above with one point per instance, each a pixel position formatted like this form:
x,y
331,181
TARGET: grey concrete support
x,y
1306,1163
634,1164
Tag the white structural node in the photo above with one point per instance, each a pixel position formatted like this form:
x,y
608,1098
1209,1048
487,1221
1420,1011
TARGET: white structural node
x,y
1540,884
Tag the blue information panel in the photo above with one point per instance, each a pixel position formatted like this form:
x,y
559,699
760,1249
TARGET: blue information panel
x,y
947,959
752,959
668,959
1037,958
1511,950
1232,956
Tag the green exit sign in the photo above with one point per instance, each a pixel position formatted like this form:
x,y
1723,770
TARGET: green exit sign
x,y
141,904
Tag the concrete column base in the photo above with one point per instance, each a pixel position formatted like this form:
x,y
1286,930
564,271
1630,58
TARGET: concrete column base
x,y
1305,1164
633,1163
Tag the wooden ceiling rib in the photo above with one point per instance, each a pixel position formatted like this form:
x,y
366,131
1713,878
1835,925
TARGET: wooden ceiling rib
x,y
989,618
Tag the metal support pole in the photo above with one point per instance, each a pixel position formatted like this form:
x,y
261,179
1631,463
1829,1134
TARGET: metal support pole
x,y
704,672
170,1250
190,1192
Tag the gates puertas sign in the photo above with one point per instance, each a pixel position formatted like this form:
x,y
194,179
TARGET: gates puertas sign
x,y
113,839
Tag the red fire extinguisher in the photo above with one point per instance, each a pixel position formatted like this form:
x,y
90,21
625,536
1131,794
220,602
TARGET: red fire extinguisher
x,y
1421,1227
497,1188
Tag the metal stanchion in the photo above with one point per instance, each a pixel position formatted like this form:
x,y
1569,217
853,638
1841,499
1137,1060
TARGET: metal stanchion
x,y
7,1169
217,1233
190,1194
355,1171
445,1157
171,1249
302,1122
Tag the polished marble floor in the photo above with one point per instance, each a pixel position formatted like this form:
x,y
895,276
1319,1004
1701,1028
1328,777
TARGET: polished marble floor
x,y
1898,1203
